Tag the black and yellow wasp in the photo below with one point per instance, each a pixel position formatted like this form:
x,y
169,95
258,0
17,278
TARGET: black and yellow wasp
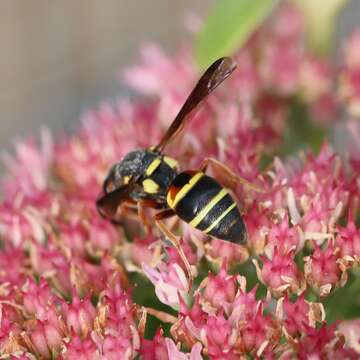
x,y
151,179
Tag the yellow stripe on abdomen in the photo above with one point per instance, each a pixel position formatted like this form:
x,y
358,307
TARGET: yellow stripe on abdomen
x,y
184,190
220,218
200,216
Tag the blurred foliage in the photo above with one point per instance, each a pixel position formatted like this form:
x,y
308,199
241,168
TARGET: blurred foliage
x,y
344,303
143,295
231,22
320,22
228,26
301,133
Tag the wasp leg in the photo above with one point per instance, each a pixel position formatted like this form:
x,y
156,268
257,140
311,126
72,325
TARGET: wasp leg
x,y
174,240
128,207
142,217
141,206
165,214
227,176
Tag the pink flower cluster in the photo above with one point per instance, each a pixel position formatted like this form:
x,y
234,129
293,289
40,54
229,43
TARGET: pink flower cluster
x,y
65,289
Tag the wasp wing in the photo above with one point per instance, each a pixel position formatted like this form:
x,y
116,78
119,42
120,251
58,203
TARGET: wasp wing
x,y
211,79
107,204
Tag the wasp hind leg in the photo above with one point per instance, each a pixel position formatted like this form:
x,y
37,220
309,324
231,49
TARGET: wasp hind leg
x,y
174,240
226,176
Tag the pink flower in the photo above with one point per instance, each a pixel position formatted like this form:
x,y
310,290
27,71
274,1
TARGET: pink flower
x,y
220,289
74,236
193,315
351,49
175,354
324,109
169,282
10,330
322,270
53,263
316,218
156,73
37,298
79,315
12,265
22,356
244,304
348,239
246,81
30,167
258,333
174,257
283,237
280,273
349,88
103,236
315,77
257,225
217,250
350,330
218,336
282,51
143,249
155,349
324,342
45,338
289,23
281,66
116,347
299,314
81,349
120,314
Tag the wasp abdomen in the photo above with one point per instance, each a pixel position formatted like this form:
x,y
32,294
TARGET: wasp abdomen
x,y
202,202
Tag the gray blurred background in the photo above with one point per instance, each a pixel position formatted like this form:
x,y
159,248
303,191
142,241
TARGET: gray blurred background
x,y
59,58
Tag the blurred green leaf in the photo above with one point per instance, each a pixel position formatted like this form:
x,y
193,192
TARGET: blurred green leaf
x,y
143,293
320,21
344,303
301,133
228,26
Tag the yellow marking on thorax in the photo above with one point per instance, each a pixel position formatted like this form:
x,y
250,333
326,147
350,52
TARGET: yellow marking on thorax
x,y
126,179
153,166
200,216
171,162
150,186
220,218
184,190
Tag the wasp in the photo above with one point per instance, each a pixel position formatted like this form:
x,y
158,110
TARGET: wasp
x,y
151,179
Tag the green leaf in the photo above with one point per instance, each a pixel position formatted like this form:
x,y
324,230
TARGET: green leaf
x,y
320,22
301,133
228,26
344,303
